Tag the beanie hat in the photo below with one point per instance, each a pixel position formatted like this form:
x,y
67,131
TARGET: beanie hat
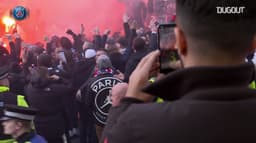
x,y
103,62
90,53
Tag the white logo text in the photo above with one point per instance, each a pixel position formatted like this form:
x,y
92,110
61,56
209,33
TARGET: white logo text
x,y
230,10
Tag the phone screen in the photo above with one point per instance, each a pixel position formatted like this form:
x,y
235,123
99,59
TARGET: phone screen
x,y
166,42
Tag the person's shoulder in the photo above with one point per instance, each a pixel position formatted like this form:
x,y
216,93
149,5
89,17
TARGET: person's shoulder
x,y
149,110
110,77
59,88
104,78
7,93
139,55
93,79
38,139
128,122
57,85
8,97
140,114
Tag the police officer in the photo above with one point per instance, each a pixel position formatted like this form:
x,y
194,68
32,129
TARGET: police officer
x,y
17,122
6,97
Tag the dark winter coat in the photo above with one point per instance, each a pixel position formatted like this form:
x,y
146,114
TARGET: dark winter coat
x,y
210,105
50,100
133,62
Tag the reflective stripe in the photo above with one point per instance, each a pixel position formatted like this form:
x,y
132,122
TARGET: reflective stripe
x,y
18,115
159,100
4,89
21,101
152,80
4,76
7,141
253,85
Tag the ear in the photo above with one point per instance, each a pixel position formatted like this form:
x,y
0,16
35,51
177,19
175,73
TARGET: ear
x,y
181,43
19,125
254,43
253,48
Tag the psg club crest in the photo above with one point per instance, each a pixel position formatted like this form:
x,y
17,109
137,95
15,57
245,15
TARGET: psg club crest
x,y
102,99
19,13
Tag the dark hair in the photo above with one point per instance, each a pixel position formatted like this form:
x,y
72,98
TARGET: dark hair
x,y
38,50
30,58
104,50
65,43
44,60
139,44
112,49
39,77
15,67
228,33
122,41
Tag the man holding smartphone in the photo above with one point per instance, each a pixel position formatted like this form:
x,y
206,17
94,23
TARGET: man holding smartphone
x,y
211,98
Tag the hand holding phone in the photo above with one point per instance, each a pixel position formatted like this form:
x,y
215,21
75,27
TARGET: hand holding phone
x,y
166,42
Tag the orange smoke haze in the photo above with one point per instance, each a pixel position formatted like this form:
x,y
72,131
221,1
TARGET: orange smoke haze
x,y
54,17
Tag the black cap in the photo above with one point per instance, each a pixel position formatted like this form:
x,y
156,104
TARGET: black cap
x,y
44,60
123,41
3,72
18,112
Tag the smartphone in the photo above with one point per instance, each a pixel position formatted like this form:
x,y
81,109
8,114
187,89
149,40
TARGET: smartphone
x,y
166,42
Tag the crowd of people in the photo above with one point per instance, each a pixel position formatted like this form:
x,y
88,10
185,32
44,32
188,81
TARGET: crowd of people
x,y
102,89
69,82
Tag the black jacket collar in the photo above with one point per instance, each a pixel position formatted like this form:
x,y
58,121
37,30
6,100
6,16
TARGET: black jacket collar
x,y
202,79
